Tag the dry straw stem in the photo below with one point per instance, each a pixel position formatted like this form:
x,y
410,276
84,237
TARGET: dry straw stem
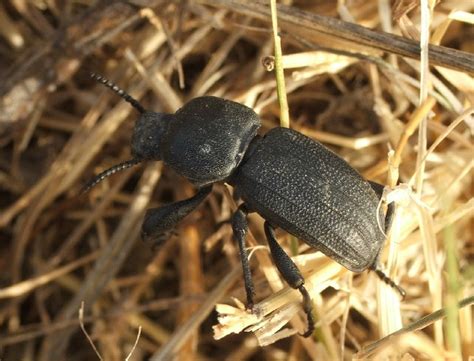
x,y
26,286
353,81
181,335
371,40
420,113
423,322
108,264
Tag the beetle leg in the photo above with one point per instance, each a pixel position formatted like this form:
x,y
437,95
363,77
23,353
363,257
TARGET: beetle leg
x,y
378,189
159,222
380,274
239,228
291,274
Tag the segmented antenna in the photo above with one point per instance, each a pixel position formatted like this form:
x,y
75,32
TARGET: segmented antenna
x,y
389,281
116,168
119,91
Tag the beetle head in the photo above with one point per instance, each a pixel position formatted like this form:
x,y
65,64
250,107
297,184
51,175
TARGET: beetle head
x,y
146,137
148,133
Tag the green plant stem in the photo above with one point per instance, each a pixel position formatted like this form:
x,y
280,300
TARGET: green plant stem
x,y
279,74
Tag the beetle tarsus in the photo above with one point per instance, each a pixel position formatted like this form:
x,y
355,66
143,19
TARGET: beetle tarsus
x,y
290,273
308,308
389,281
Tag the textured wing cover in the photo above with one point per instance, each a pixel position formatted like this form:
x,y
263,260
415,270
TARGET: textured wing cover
x,y
208,137
301,186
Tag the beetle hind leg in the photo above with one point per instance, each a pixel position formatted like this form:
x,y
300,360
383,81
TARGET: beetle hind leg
x,y
291,274
240,228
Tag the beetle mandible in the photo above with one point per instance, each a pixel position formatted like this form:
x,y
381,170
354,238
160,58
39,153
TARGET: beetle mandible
x,y
292,181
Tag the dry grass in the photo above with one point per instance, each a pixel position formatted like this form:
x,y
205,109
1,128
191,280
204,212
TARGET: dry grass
x,y
396,117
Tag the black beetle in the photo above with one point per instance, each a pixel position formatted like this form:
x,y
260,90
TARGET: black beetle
x,y
292,181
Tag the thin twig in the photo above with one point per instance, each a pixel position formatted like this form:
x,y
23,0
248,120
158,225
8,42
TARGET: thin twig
x,y
81,323
135,344
414,326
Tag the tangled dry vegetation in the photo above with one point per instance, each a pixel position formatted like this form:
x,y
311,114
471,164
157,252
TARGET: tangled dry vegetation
x,y
401,119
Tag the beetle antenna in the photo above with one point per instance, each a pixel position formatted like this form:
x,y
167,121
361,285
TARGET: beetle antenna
x,y
101,176
389,281
122,93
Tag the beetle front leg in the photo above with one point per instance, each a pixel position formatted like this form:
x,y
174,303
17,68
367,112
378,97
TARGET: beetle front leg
x,y
291,274
159,221
239,228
